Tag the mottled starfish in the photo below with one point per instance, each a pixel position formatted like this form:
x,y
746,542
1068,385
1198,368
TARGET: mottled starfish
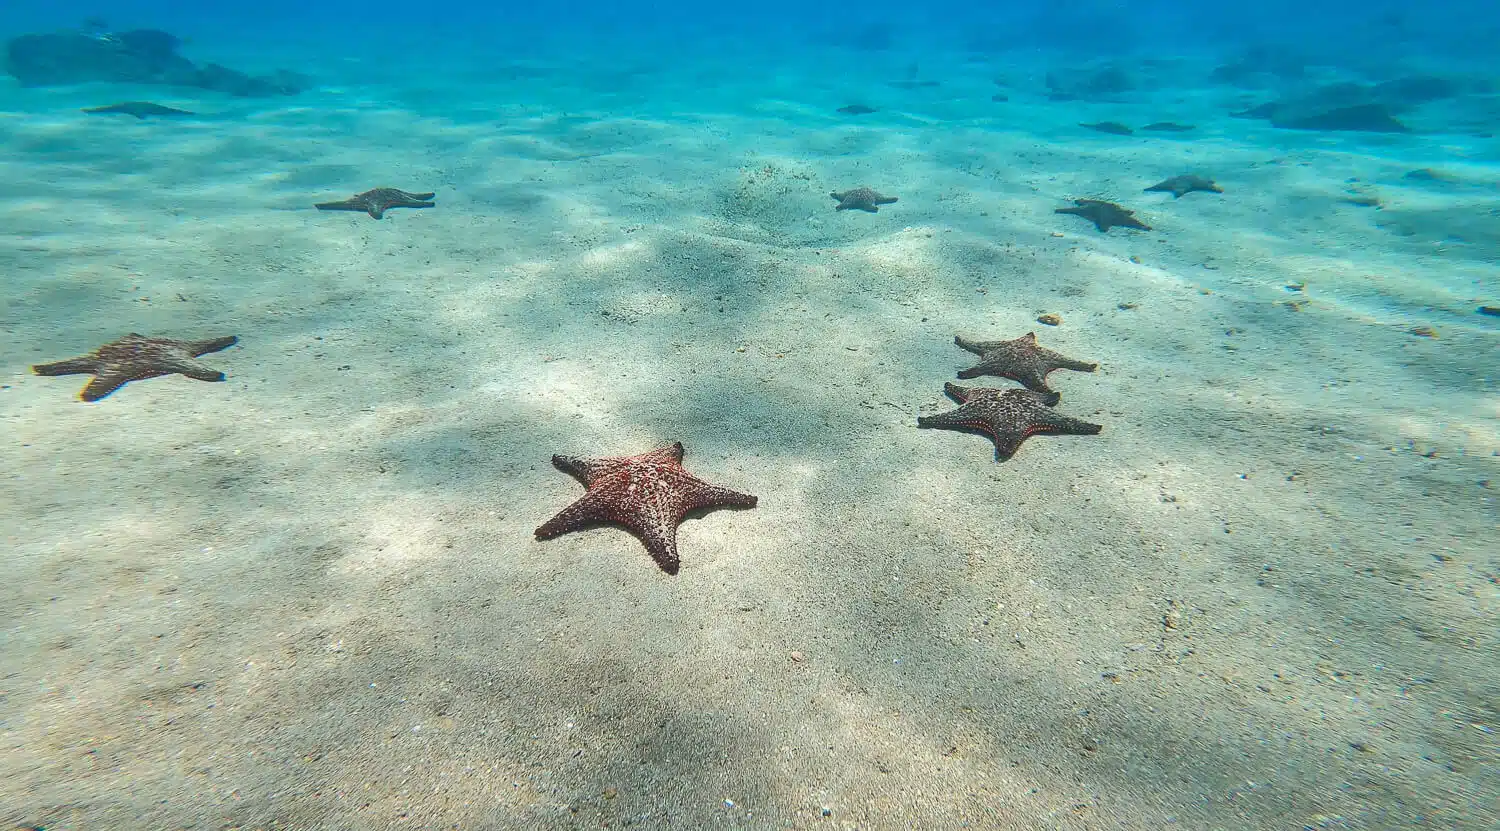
x,y
1184,184
376,202
862,199
1019,360
1007,416
650,494
136,358
1104,215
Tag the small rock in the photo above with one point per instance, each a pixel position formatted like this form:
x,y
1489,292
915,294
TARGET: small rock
x,y
1090,744
797,657
611,793
1049,319
1423,331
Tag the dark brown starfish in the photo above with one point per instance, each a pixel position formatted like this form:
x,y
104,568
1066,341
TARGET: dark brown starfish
x,y
1007,416
649,494
135,358
1186,183
861,199
1104,215
376,202
1114,128
1019,360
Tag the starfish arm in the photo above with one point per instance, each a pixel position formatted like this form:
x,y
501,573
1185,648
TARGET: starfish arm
x,y
961,394
203,347
1061,362
1006,446
672,454
1032,378
417,197
72,366
106,383
588,510
341,205
1057,423
976,346
191,368
960,418
703,495
586,470
661,543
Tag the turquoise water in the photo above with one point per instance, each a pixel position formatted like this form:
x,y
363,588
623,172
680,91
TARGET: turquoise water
x,y
1257,589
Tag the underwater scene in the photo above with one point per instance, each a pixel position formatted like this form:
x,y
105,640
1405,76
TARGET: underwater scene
x,y
585,415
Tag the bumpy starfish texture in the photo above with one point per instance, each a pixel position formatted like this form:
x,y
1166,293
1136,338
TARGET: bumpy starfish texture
x,y
1007,416
136,358
861,199
376,202
1104,215
649,494
1187,183
1019,360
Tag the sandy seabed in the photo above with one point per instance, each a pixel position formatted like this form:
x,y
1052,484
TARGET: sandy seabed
x,y
1265,597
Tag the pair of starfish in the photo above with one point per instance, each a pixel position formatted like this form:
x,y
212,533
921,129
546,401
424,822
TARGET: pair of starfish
x,y
1009,417
1106,215
650,494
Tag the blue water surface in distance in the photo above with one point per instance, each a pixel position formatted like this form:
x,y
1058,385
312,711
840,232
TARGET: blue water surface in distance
x,y
1364,30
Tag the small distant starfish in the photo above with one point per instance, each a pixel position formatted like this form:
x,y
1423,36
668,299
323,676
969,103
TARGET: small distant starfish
x,y
136,358
1186,183
1007,416
649,494
861,199
1019,360
139,109
1104,215
376,202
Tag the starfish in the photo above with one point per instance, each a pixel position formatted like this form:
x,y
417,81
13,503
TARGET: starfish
x,y
376,202
139,109
135,358
861,199
649,494
1104,215
1019,360
1187,183
1007,416
1114,128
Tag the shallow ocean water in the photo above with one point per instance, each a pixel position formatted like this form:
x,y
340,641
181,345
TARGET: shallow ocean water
x,y
1264,596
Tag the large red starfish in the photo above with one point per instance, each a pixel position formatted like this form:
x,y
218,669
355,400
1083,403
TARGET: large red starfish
x,y
649,494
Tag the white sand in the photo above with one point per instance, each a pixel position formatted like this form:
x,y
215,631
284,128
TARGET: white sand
x,y
1264,597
